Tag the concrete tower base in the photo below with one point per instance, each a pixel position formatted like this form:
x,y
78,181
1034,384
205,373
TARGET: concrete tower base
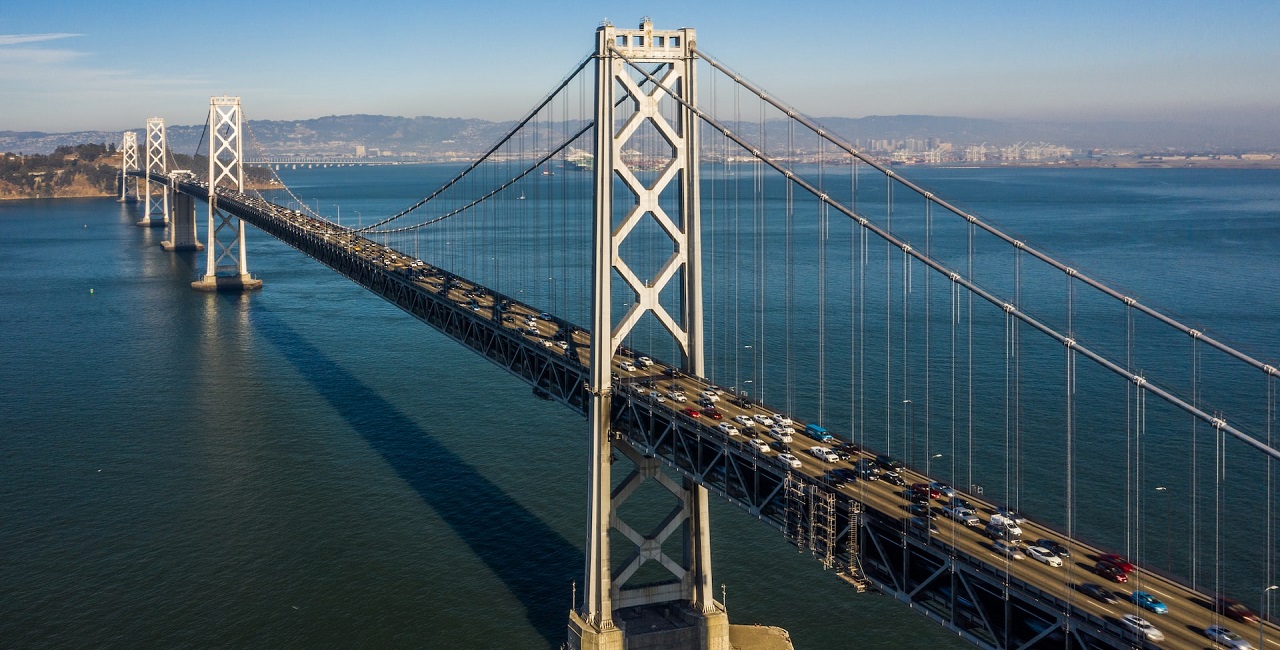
x,y
170,246
672,626
153,223
227,283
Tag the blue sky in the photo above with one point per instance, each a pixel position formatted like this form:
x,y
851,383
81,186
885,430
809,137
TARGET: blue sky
x,y
104,64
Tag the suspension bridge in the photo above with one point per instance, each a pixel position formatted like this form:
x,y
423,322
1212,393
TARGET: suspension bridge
x,y
889,381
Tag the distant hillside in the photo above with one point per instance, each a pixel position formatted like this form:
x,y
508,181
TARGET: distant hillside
x,y
439,137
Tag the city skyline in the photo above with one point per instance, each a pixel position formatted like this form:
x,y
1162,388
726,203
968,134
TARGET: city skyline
x,y
81,66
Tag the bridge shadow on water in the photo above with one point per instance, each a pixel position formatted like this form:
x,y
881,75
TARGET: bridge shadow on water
x,y
519,548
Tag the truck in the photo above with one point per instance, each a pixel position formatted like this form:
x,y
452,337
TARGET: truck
x,y
817,433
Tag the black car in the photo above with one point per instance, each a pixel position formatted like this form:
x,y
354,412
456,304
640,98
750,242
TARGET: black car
x,y
849,447
834,478
917,496
1053,547
888,463
892,478
780,446
922,510
841,454
847,475
1097,592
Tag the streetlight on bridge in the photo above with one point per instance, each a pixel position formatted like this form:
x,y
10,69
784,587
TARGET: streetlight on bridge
x,y
1168,541
1262,613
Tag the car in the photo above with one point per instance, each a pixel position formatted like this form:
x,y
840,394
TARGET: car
x,y
1226,637
845,474
963,515
644,362
656,396
712,413
782,420
1140,628
1056,548
1010,513
921,510
677,397
780,446
545,316
957,502
763,420
887,462
727,428
710,395
628,366
760,445
944,491
692,412
841,454
1234,609
928,490
778,433
834,478
891,477
851,447
916,496
1007,549
1110,571
789,460
1008,527
1042,554
1148,602
702,401
744,420
822,453
1117,561
1097,592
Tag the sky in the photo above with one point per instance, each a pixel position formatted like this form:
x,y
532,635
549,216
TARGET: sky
x,y
72,65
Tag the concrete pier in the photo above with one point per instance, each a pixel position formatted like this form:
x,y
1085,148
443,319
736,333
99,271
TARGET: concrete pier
x,y
182,225
227,283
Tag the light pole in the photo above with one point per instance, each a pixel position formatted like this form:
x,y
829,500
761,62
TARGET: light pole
x,y
339,213
359,219
1262,613
1168,541
909,446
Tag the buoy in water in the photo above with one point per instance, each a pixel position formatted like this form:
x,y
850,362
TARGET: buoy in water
x,y
91,292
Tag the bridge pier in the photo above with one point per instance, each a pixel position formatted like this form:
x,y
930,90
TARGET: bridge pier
x,y
182,225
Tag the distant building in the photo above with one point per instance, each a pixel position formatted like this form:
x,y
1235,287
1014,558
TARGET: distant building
x,y
360,151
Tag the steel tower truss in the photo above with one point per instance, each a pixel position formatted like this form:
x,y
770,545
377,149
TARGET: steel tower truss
x,y
128,163
655,117
157,205
225,250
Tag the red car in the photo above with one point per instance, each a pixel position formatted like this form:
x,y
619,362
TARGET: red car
x,y
1111,572
692,412
1117,561
1234,609
924,488
712,413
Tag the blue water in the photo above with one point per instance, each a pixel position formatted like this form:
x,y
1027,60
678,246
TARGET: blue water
x,y
308,466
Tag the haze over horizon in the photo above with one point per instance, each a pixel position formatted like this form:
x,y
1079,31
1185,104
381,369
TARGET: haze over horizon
x,y
88,66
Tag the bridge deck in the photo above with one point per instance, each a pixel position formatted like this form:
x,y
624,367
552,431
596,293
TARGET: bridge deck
x,y
952,575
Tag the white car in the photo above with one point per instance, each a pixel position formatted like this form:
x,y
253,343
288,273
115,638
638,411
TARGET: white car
x,y
763,419
657,397
711,395
1140,628
1008,524
1227,637
760,445
822,453
727,428
1007,549
1044,555
782,420
789,460
745,421
780,434
676,396
644,362
628,366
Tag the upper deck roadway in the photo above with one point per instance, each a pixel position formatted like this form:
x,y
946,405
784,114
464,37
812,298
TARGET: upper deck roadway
x,y
952,575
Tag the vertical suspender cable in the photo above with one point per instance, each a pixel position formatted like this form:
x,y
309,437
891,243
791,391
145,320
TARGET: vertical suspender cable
x,y
888,319
1195,492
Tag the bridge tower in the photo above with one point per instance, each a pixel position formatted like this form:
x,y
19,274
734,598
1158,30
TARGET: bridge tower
x,y
226,246
128,163
157,213
599,620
